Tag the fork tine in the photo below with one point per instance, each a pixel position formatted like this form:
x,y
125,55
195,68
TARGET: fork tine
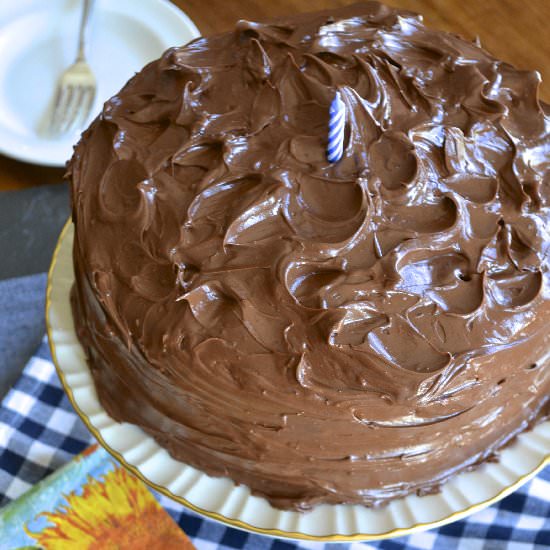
x,y
88,106
58,109
86,102
71,109
65,107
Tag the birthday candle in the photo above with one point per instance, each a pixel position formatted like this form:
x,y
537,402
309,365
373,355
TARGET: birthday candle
x,y
336,127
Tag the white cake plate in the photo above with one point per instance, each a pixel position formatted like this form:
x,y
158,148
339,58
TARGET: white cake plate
x,y
38,40
220,499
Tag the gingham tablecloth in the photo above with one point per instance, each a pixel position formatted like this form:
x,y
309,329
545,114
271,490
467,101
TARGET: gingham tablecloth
x,y
39,432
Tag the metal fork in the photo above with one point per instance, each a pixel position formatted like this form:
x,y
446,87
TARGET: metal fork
x,y
76,87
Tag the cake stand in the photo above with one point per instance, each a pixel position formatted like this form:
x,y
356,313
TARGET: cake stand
x,y
222,500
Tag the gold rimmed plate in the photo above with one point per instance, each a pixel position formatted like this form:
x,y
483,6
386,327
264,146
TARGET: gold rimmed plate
x,y
221,500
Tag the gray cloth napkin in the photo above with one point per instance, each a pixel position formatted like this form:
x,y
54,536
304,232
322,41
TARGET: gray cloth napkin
x,y
30,223
22,325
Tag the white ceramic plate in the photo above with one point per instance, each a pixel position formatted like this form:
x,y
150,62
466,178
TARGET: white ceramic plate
x,y
38,40
222,500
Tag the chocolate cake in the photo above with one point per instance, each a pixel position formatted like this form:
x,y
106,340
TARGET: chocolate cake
x,y
321,332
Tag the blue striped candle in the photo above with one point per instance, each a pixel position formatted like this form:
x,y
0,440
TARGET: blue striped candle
x,y
336,127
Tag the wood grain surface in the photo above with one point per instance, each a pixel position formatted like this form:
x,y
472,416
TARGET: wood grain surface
x,y
513,30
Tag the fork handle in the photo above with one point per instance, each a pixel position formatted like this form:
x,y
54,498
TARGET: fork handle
x,y
83,32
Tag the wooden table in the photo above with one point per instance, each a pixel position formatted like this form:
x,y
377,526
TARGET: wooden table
x,y
513,30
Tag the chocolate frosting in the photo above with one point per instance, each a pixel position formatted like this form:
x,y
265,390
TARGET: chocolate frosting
x,y
347,332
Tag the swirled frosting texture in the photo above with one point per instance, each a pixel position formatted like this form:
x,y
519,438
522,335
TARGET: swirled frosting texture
x,y
348,332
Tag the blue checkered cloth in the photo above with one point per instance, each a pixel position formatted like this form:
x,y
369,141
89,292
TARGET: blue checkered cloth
x,y
39,432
